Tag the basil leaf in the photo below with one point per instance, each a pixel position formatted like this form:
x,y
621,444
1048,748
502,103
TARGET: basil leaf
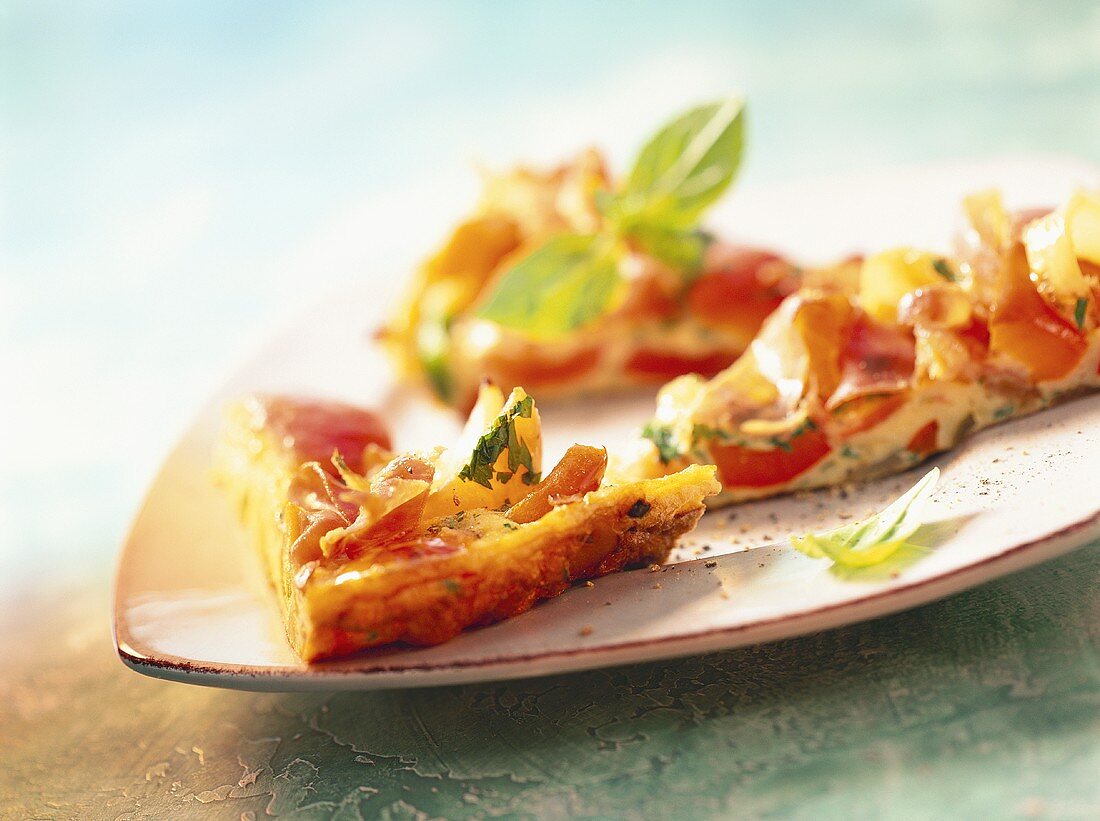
x,y
680,250
862,544
501,437
686,166
563,285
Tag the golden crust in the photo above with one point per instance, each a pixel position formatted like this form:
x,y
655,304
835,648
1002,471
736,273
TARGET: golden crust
x,y
339,610
452,572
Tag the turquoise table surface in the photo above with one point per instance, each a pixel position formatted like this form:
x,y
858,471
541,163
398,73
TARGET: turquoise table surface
x,y
177,176
984,705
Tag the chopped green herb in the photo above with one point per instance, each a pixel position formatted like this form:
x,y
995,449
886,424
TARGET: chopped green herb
x,y
502,436
661,436
965,426
1004,411
944,269
701,432
785,442
452,522
848,452
807,424
861,544
452,587
639,509
1079,312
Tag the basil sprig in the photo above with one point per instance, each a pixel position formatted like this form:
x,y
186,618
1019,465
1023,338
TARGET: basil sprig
x,y
876,538
573,279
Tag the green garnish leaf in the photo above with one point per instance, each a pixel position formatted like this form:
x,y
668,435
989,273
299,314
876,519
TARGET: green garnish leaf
x,y
679,249
1079,312
862,544
560,287
686,166
501,436
661,436
573,279
942,268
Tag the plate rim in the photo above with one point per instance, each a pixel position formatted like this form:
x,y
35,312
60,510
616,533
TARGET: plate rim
x,y
873,605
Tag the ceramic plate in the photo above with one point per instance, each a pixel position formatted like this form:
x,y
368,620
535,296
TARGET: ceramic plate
x,y
191,606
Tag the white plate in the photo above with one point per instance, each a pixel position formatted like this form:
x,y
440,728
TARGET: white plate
x,y
190,604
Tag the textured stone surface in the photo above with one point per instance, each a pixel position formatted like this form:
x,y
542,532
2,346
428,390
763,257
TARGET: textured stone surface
x,y
985,704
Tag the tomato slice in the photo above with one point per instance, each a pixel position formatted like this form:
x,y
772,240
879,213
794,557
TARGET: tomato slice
x,y
752,468
740,287
924,440
658,366
1028,329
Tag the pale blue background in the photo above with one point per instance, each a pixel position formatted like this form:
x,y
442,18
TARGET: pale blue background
x,y
177,175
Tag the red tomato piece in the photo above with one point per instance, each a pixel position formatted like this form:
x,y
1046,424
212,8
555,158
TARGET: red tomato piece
x,y
748,467
740,287
924,440
658,366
